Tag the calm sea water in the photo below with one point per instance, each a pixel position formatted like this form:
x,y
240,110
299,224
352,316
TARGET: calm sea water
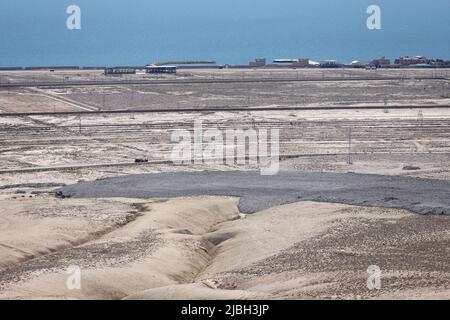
x,y
136,32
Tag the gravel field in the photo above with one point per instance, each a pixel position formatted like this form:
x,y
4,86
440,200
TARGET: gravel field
x,y
257,192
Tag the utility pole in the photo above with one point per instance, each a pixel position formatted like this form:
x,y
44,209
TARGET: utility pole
x,y
130,105
444,92
420,118
386,110
349,160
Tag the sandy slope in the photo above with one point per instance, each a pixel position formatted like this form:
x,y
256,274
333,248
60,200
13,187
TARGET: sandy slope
x,y
198,248
161,247
317,250
31,227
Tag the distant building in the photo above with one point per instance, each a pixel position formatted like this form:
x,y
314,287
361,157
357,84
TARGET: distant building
x,y
329,64
161,69
119,70
300,63
440,63
283,60
408,61
261,62
359,64
381,62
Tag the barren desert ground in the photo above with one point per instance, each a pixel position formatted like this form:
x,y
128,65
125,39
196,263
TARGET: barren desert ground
x,y
71,193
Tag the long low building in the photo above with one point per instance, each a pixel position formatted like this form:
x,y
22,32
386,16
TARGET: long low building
x,y
161,69
299,62
120,70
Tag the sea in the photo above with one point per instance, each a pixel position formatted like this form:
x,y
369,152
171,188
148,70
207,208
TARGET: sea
x,y
138,32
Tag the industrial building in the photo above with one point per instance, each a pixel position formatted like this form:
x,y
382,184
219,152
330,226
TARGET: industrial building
x,y
119,70
381,62
161,69
408,61
329,64
261,62
359,64
299,62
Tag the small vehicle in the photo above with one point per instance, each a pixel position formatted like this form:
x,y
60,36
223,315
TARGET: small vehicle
x,y
140,160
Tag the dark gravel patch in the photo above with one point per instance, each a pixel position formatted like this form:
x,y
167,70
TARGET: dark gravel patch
x,y
256,192
32,185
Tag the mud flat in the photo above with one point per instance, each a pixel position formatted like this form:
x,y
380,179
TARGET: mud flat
x,y
257,192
